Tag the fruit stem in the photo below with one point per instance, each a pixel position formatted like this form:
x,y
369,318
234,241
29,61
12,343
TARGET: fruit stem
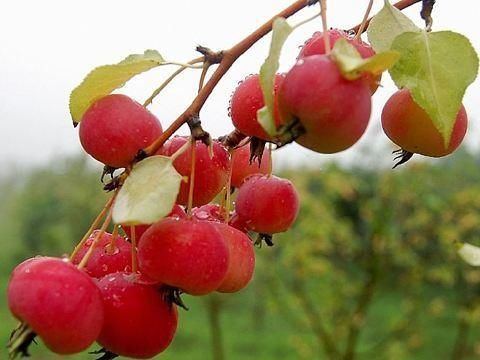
x,y
270,166
363,24
111,247
20,340
228,187
400,5
326,39
192,178
95,223
170,78
133,238
89,252
180,151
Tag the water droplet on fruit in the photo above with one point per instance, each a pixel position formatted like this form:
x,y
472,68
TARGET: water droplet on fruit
x,y
300,62
202,215
105,267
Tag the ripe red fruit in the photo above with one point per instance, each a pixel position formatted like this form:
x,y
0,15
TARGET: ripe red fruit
x,y
211,174
187,254
177,211
246,100
242,167
242,259
115,128
105,259
316,46
333,111
267,204
237,222
138,322
411,128
59,302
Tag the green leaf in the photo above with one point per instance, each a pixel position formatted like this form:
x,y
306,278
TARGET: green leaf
x,y
437,67
470,254
387,25
149,192
280,31
104,79
352,65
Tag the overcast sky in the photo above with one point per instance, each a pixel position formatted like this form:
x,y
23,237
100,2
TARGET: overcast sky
x,y
48,46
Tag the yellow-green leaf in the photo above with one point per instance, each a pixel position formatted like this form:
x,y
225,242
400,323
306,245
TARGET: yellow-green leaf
x,y
386,26
149,192
470,254
280,31
352,65
437,67
103,80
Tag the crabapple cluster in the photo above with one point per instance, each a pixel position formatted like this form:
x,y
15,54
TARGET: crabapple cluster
x,y
121,290
127,286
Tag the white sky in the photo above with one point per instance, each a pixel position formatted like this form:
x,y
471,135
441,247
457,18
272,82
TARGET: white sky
x,y
48,46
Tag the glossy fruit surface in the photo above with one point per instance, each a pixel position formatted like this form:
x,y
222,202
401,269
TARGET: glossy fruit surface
x,y
410,127
188,254
138,322
59,302
107,257
316,46
242,259
267,204
242,167
211,174
209,212
246,100
333,111
115,128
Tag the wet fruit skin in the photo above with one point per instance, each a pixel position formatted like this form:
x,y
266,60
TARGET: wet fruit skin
x,y
410,127
187,254
333,111
246,100
105,259
242,167
211,174
60,303
138,322
316,46
115,128
267,204
242,259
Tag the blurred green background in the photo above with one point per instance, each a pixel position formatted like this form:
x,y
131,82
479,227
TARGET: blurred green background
x,y
369,271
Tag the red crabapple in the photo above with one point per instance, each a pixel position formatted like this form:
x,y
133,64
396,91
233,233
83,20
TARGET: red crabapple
x,y
209,212
242,167
267,204
316,46
188,254
115,128
105,258
242,259
333,111
211,174
411,128
60,303
139,323
246,100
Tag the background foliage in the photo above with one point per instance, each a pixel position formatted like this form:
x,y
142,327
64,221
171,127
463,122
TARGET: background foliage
x,y
369,271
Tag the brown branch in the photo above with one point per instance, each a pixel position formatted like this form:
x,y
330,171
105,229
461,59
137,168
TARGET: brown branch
x,y
402,4
228,58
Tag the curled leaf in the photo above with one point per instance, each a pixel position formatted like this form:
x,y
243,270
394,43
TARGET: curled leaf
x,y
149,192
280,31
102,80
352,65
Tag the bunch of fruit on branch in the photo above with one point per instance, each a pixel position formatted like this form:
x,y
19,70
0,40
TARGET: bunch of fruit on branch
x,y
186,212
